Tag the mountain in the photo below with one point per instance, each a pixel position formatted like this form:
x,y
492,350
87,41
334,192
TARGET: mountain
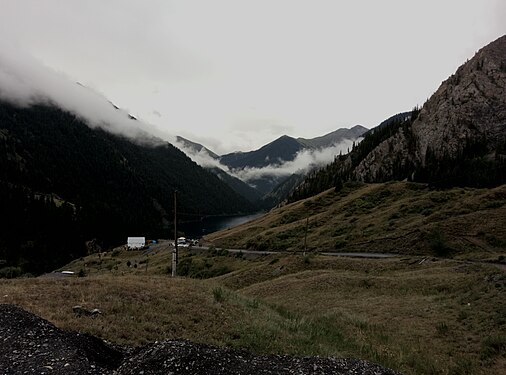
x,y
402,116
63,183
285,148
269,159
240,187
278,151
195,147
256,174
334,137
458,137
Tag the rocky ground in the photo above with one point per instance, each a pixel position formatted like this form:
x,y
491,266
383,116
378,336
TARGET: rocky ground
x,y
32,345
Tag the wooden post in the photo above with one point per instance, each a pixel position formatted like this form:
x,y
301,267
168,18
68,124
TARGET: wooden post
x,y
305,236
174,253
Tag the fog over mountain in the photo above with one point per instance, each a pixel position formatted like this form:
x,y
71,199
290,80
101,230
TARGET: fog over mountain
x,y
25,81
303,162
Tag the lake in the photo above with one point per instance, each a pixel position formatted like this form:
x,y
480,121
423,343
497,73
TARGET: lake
x,y
197,229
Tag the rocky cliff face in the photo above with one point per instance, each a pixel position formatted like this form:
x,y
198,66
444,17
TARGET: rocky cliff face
x,y
458,138
469,108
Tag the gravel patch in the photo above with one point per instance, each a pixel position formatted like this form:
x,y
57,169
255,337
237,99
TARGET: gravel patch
x,y
32,345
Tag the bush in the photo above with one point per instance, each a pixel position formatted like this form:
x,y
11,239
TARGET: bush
x,y
437,243
307,259
200,269
493,346
219,294
442,328
10,272
339,244
183,266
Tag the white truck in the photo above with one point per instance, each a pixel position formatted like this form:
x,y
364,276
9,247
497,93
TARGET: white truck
x,y
181,242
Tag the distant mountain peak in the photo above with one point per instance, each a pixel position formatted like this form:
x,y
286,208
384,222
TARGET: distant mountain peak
x,y
335,137
195,147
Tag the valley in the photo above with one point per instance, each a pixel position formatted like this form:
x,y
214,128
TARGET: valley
x,y
385,244
428,309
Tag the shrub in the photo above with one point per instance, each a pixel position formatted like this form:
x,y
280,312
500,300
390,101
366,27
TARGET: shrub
x,y
10,272
437,243
494,241
219,294
307,259
493,346
183,266
442,328
339,244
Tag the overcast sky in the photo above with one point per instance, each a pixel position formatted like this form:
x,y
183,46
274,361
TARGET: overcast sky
x,y
235,74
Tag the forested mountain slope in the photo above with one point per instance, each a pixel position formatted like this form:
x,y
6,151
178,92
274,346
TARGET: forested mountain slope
x,y
63,183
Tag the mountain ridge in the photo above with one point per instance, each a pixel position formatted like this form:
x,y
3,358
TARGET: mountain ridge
x,y
458,137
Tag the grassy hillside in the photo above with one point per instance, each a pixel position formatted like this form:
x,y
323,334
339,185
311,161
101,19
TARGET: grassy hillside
x,y
419,317
395,217
418,314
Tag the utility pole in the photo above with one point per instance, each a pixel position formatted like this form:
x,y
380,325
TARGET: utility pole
x,y
305,236
174,252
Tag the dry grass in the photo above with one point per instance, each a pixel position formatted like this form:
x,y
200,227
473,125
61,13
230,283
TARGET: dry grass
x,y
157,261
135,310
395,217
432,318
416,314
437,317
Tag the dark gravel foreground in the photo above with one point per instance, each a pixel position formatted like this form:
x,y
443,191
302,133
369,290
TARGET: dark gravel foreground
x,y
32,345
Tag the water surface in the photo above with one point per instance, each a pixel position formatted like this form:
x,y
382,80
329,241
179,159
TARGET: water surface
x,y
208,225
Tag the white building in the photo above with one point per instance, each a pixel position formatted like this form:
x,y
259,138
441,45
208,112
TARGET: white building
x,y
136,242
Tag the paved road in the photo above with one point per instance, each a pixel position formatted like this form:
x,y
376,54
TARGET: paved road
x,y
337,254
361,255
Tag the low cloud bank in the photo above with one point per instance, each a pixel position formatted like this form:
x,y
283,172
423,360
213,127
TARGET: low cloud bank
x,y
25,81
304,161
201,157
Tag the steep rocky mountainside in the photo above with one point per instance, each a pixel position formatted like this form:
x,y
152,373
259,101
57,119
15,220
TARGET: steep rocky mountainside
x,y
458,138
466,114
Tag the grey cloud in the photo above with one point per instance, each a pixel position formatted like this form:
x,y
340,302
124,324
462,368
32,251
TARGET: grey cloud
x,y
25,81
